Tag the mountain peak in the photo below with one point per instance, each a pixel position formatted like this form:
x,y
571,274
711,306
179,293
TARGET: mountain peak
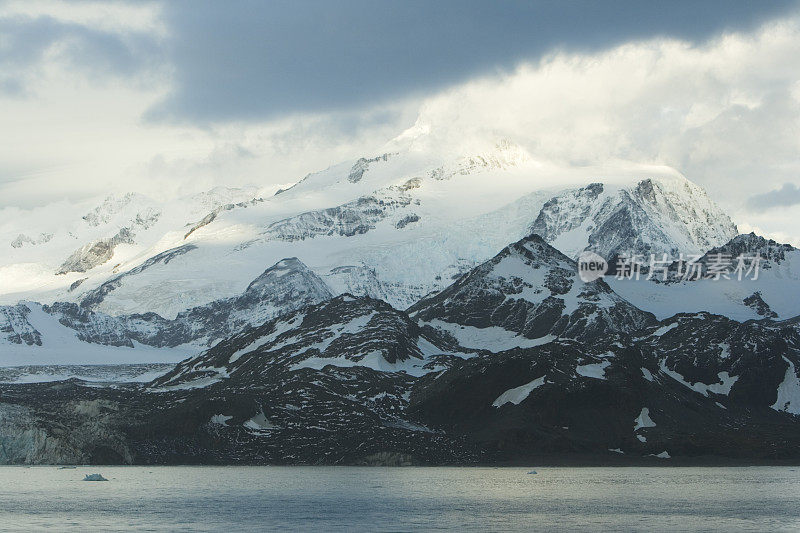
x,y
655,215
750,243
288,284
528,292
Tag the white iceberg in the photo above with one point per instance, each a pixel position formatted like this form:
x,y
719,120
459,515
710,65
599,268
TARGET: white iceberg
x,y
94,477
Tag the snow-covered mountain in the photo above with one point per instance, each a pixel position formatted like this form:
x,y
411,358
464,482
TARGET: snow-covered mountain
x,y
358,225
354,381
375,313
515,360
50,251
528,294
768,291
342,332
665,215
65,332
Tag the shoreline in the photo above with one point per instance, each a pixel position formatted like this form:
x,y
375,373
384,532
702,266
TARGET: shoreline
x,y
551,463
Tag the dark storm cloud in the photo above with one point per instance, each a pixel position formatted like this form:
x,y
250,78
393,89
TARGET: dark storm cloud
x,y
254,60
786,196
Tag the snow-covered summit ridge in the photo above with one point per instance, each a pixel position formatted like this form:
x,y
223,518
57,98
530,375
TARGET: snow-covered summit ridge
x,y
444,212
666,214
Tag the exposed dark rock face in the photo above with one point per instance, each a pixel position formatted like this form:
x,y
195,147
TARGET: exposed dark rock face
x,y
96,253
583,401
747,362
75,284
14,325
350,380
757,303
533,290
362,165
406,220
353,218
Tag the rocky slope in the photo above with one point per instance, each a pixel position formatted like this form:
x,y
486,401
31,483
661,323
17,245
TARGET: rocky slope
x,y
71,328
343,332
611,400
528,293
767,291
531,365
666,215
752,364
303,390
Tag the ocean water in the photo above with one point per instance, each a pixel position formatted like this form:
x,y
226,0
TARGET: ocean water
x,y
399,499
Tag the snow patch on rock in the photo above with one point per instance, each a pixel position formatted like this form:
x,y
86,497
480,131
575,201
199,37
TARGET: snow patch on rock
x,y
518,394
788,392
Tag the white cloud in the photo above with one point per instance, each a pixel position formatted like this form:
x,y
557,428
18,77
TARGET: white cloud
x,y
778,236
115,17
74,134
726,114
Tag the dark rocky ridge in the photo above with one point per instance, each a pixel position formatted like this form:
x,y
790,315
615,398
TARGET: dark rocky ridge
x,y
353,381
266,410
747,245
339,331
96,253
533,290
353,218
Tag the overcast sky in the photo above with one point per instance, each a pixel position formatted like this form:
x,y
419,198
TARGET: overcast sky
x,y
172,98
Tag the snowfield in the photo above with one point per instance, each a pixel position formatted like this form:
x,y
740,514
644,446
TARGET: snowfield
x,y
358,224
397,226
61,346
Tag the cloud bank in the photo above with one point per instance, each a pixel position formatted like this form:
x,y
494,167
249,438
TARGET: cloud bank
x,y
175,98
260,60
787,195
